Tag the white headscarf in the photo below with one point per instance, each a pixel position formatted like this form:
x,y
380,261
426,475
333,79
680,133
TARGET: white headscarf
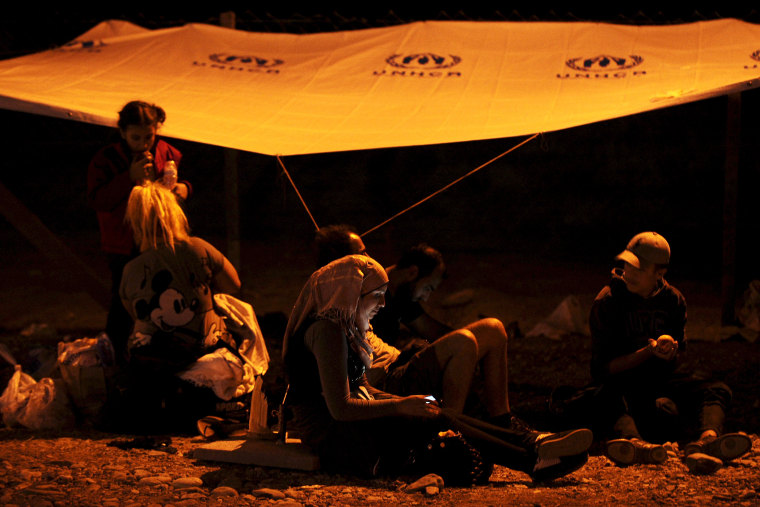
x,y
332,293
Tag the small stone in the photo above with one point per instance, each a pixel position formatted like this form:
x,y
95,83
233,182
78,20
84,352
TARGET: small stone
x,y
425,481
699,463
224,491
186,492
30,475
140,473
269,493
154,480
193,494
187,482
294,493
431,490
47,490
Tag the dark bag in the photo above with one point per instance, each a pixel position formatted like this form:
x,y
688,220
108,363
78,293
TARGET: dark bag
x,y
449,455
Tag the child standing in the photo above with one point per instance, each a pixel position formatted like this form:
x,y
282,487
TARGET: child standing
x,y
139,155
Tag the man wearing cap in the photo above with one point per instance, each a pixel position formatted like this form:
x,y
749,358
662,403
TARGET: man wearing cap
x,y
637,327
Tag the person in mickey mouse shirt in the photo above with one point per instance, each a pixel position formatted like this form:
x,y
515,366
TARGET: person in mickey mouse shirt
x,y
169,289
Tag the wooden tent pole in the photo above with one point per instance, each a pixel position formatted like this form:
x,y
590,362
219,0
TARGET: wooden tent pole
x,y
231,178
730,198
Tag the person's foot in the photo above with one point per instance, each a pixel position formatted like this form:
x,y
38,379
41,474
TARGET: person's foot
x,y
725,447
634,451
558,454
564,443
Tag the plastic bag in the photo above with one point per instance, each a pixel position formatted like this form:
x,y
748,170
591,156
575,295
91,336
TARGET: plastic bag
x,y
96,351
36,405
87,366
450,456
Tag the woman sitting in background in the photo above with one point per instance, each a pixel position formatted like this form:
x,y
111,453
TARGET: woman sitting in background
x,y
184,358
358,429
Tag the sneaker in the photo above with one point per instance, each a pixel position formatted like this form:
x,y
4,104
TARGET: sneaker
x,y
564,443
547,469
635,451
725,447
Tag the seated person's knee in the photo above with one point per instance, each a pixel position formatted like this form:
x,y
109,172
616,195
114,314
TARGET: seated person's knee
x,y
466,342
489,328
493,323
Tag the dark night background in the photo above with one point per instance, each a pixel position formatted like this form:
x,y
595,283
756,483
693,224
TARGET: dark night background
x,y
570,196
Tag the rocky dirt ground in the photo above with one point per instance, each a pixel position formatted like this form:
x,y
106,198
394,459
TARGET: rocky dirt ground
x,y
81,469
87,467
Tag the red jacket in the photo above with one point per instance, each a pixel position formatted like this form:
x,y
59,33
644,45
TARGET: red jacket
x,y
109,186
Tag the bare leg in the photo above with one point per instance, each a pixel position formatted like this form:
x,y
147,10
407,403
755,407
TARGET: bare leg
x,y
457,354
492,355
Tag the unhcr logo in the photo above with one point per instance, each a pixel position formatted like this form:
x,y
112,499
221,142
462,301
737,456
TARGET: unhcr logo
x,y
423,61
421,65
83,45
245,60
241,63
603,67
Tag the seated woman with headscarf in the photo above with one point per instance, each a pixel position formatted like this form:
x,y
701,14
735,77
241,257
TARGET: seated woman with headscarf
x,y
194,350
358,429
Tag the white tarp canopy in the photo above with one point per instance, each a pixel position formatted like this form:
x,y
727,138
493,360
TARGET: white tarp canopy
x,y
414,84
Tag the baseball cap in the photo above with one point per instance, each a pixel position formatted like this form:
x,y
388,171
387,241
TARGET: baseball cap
x,y
647,247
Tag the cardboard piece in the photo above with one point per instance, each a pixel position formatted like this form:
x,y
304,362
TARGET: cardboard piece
x,y
266,453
